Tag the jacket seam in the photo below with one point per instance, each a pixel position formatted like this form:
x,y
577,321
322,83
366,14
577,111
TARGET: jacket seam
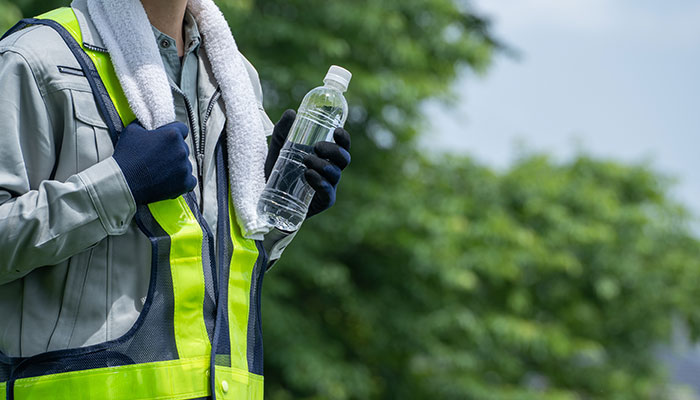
x,y
19,52
18,35
27,54
33,60
42,93
94,198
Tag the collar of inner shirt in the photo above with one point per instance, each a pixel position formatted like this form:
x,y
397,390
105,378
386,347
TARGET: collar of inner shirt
x,y
168,47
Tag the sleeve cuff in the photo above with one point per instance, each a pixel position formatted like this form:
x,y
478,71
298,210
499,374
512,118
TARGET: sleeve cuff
x,y
275,242
110,195
268,125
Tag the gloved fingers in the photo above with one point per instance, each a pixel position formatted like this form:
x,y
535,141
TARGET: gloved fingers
x,y
333,153
135,125
282,127
330,172
176,134
279,136
342,137
325,193
176,126
133,128
190,181
182,143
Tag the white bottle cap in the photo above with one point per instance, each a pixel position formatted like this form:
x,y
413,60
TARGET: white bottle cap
x,y
339,75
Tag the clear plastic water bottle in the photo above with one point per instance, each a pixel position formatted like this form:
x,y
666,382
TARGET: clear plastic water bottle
x,y
287,196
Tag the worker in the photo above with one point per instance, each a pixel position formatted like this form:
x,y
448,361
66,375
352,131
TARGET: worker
x,y
133,149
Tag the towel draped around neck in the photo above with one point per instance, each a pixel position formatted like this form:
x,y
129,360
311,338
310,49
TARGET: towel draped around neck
x,y
127,35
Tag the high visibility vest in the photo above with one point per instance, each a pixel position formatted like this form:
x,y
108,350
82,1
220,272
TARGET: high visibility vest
x,y
199,333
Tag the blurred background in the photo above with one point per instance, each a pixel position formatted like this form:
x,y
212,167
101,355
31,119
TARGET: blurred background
x,y
518,221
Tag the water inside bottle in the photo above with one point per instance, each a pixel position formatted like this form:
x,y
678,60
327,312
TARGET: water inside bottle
x,y
286,200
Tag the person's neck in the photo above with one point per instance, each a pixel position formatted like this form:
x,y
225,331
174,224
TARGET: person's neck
x,y
168,16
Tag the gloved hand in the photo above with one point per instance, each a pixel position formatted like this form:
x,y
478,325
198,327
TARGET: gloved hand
x,y
324,164
155,163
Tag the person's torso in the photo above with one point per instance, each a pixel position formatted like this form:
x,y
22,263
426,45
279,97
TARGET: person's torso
x,y
97,294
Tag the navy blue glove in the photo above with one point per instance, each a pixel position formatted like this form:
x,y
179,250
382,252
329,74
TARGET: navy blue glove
x,y
155,163
324,164
324,167
279,137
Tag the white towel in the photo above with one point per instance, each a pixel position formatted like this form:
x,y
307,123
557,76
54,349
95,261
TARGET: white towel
x,y
127,34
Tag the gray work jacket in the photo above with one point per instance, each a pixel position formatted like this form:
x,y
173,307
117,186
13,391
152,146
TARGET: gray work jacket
x,y
74,267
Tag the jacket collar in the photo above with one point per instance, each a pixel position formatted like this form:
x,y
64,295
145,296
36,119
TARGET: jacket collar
x,y
91,38
206,82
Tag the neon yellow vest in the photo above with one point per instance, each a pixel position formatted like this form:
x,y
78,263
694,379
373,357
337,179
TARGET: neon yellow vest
x,y
191,306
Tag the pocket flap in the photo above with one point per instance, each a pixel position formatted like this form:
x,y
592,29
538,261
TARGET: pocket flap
x,y
86,110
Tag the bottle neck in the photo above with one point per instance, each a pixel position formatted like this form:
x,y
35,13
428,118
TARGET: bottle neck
x,y
335,85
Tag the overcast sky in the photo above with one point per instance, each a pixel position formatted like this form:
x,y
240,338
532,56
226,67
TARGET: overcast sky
x,y
616,78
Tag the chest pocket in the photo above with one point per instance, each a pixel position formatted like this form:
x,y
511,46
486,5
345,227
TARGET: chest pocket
x,y
92,141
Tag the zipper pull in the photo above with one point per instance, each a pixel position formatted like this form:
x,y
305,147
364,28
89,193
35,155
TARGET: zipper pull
x,y
200,168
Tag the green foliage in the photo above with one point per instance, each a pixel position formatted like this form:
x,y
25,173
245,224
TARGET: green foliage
x,y
445,280
12,11
438,278
399,51
9,15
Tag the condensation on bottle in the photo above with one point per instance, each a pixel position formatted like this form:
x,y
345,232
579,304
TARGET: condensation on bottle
x,y
287,196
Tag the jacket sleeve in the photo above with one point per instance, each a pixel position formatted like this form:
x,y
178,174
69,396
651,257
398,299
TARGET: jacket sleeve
x,y
44,221
274,244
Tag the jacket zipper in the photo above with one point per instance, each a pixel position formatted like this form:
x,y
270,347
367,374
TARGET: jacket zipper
x,y
95,48
207,114
199,139
195,134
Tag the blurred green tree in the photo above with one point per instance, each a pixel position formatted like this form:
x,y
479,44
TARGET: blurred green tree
x,y
445,280
9,15
435,277
439,278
